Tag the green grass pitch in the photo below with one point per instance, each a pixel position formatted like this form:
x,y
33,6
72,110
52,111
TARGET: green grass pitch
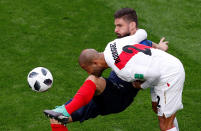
x,y
52,34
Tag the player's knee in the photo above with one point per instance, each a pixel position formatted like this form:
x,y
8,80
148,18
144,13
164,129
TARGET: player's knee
x,y
163,125
166,123
99,82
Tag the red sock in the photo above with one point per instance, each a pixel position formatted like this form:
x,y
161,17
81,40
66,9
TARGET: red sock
x,y
58,127
82,97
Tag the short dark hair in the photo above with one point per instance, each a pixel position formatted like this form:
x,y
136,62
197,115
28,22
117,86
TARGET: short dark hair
x,y
127,14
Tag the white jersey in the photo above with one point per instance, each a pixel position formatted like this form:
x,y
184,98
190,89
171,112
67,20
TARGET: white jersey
x,y
132,61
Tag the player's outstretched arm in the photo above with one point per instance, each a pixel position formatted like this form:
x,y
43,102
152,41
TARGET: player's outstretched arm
x,y
162,45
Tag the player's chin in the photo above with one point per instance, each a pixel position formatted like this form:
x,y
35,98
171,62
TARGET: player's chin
x,y
121,36
97,73
118,35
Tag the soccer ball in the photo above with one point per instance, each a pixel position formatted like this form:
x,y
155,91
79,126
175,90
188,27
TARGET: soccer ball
x,y
40,79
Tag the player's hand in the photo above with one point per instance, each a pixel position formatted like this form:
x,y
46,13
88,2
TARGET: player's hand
x,y
163,45
137,84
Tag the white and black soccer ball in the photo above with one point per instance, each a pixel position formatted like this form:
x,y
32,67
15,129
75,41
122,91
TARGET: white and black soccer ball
x,y
40,79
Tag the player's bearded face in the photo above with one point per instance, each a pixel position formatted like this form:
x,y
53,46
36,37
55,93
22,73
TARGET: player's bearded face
x,y
121,28
120,35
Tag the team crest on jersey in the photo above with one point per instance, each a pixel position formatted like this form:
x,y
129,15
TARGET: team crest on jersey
x,y
127,53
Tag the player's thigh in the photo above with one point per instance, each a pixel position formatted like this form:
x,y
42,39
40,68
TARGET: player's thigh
x,y
99,82
168,103
169,98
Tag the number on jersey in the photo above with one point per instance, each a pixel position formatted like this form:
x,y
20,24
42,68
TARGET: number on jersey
x,y
129,51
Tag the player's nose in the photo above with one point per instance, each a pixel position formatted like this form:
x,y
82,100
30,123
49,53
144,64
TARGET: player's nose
x,y
116,30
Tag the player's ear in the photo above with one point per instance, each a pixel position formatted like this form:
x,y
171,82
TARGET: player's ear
x,y
132,26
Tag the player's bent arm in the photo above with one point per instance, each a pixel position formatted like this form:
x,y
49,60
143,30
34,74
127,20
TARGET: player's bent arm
x,y
139,36
143,84
152,78
145,79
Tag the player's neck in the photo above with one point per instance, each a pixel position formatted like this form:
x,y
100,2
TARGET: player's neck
x,y
102,61
132,32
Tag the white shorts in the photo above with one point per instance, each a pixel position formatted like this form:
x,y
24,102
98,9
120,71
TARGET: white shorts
x,y
168,93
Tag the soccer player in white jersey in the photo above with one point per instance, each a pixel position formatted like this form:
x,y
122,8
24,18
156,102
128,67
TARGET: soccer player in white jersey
x,y
125,24
134,62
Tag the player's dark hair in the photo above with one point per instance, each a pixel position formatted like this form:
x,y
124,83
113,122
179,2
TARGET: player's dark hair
x,y
128,14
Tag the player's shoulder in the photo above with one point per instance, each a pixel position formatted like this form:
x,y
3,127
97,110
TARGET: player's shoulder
x,y
142,31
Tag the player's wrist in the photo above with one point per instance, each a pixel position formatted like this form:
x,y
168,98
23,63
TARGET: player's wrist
x,y
137,84
155,45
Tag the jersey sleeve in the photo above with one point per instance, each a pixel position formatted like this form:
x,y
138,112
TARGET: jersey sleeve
x,y
146,42
151,77
139,36
147,73
137,73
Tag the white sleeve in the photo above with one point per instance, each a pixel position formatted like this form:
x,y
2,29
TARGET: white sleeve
x,y
151,77
136,38
139,36
147,84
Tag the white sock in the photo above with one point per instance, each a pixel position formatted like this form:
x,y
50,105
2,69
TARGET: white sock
x,y
173,129
176,124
